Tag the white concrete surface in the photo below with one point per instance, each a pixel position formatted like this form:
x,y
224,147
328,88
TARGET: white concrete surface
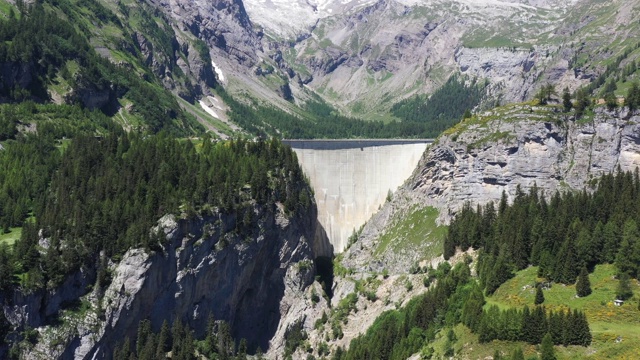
x,y
351,184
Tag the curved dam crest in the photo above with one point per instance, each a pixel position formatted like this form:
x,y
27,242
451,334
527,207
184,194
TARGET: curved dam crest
x,y
351,178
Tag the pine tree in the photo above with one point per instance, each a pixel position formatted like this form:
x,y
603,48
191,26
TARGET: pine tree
x,y
556,326
497,355
610,242
611,101
242,350
566,100
583,286
539,295
625,259
623,290
6,269
164,341
517,354
582,102
584,335
449,247
546,348
633,97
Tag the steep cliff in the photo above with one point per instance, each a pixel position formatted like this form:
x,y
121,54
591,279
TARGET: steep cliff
x,y
206,266
503,150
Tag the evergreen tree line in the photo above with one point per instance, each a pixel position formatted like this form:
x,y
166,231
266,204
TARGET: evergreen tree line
x,y
420,118
398,334
613,70
436,112
570,231
28,160
324,122
42,44
104,193
179,340
530,325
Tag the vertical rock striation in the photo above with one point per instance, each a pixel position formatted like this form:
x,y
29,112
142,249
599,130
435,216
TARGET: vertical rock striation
x,y
207,266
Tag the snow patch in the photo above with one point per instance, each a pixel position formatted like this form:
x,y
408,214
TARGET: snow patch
x,y
218,71
215,103
209,110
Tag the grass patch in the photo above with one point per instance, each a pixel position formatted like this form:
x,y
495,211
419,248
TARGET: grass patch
x,y
414,230
615,329
11,237
5,8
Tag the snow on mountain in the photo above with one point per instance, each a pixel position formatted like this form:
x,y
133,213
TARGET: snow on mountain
x,y
293,18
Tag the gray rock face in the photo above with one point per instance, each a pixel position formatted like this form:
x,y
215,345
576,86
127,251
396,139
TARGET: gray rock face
x,y
255,281
222,24
552,155
517,146
380,52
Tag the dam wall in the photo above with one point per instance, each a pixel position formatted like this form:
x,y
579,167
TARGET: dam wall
x,y
351,178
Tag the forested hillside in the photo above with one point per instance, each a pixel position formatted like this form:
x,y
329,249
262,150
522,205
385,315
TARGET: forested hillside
x,y
103,194
44,54
436,112
419,118
562,235
79,191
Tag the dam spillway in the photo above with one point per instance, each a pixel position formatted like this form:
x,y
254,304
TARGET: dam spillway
x,y
351,178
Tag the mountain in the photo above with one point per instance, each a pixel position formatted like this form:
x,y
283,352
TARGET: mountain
x,y
122,209
507,150
362,57
356,59
371,57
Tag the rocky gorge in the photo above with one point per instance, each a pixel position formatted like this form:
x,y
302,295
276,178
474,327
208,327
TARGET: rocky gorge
x,y
256,281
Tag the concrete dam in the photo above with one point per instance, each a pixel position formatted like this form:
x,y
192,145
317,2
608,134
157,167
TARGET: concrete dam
x,y
351,178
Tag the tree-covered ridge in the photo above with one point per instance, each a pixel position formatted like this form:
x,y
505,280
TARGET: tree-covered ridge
x,y
325,122
398,334
104,193
28,159
561,235
180,342
445,107
457,298
39,49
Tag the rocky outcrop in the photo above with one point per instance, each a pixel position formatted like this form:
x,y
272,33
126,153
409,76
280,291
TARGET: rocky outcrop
x,y
205,266
503,150
223,24
553,154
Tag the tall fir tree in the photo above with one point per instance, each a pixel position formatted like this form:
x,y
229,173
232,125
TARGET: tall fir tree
x,y
539,295
517,354
583,285
625,259
623,290
546,348
566,100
